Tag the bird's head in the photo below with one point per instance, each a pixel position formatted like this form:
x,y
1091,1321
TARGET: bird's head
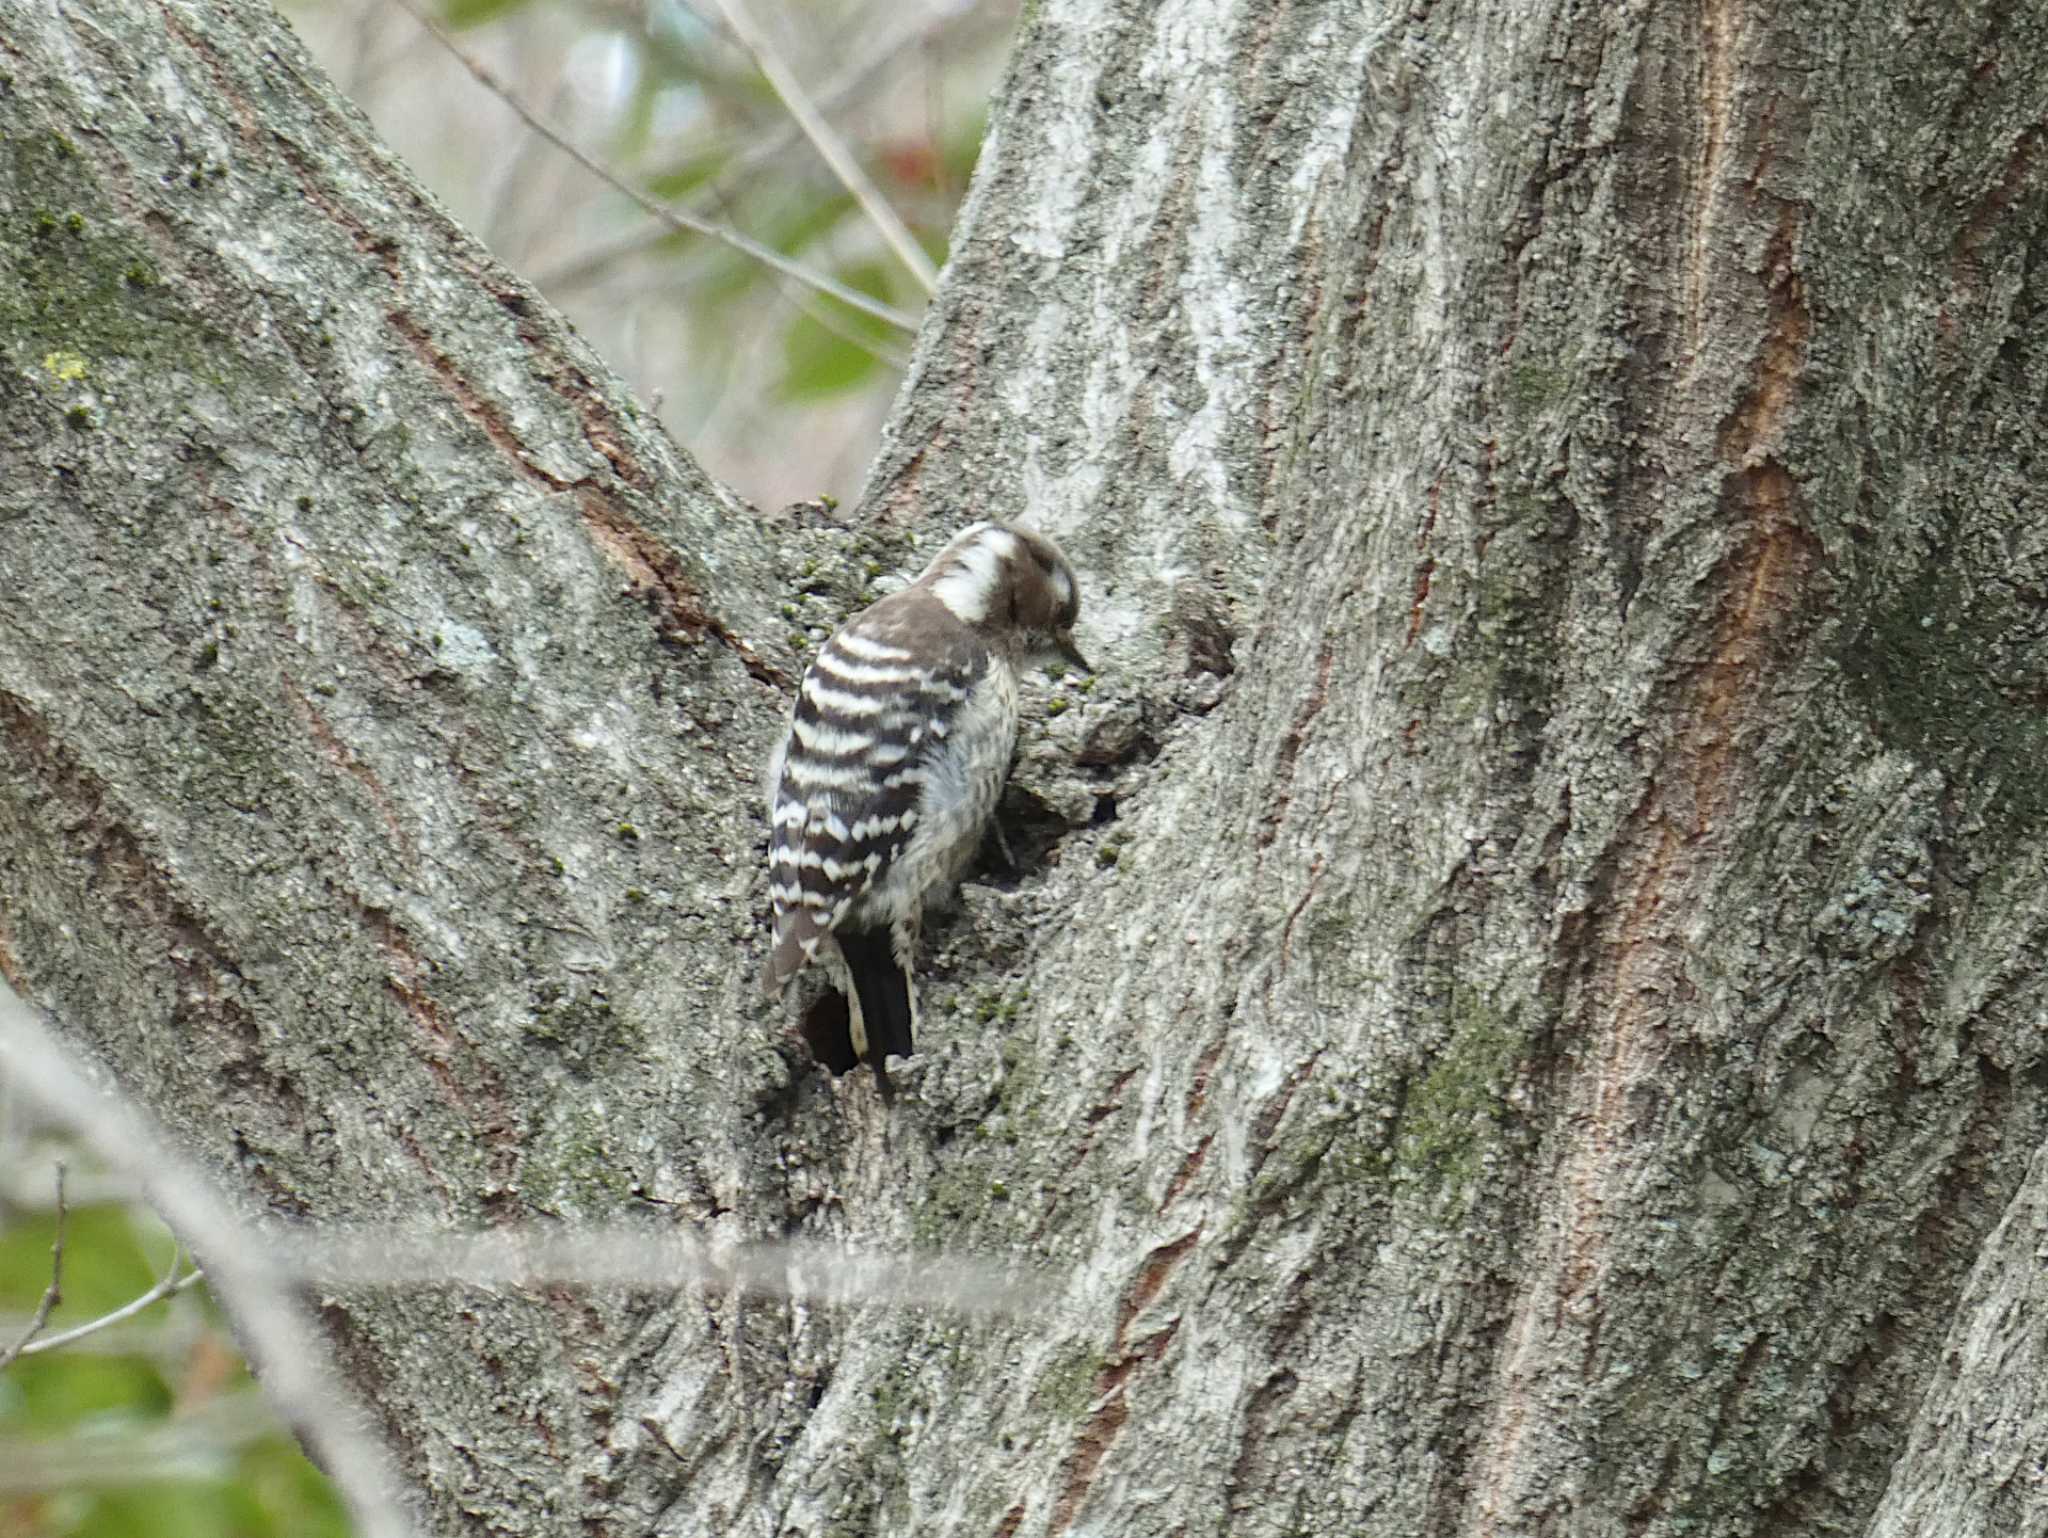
x,y
1014,586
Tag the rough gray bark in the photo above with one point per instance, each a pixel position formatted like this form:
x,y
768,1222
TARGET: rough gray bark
x,y
1546,1042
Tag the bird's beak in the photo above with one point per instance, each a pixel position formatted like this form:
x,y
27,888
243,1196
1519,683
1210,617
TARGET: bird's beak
x,y
1063,643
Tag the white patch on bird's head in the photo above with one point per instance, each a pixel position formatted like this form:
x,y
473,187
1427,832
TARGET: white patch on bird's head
x,y
971,571
953,546
1013,585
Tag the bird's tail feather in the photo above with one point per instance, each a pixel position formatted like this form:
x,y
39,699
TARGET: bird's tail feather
x,y
797,936
881,987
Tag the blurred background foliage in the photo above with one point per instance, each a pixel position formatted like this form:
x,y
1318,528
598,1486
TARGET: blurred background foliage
x,y
776,392
153,1426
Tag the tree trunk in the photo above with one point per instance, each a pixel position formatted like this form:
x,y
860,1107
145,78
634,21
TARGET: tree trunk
x,y
1521,1013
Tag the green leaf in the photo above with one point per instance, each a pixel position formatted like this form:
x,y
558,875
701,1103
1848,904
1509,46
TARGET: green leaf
x,y
267,1489
295,1497
818,360
58,1389
194,1509
104,1265
685,176
817,363
470,13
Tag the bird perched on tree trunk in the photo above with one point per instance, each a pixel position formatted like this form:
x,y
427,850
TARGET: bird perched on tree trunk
x,y
879,794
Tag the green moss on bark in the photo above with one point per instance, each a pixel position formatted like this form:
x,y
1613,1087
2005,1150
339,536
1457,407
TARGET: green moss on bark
x,y
78,290
1453,1116
1938,668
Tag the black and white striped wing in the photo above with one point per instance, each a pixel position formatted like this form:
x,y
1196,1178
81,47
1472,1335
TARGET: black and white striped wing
x,y
875,702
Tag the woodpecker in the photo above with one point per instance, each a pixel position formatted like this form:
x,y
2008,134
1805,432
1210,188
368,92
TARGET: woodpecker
x,y
881,790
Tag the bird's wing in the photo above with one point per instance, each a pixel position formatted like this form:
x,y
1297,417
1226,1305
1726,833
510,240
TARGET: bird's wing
x,y
875,703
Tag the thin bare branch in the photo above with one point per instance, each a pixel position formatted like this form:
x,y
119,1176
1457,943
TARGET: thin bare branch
x,y
163,1338
675,219
917,30
829,145
295,1371
23,1188
649,1257
52,1294
888,357
165,1286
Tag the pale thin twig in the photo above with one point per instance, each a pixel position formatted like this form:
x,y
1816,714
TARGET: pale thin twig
x,y
293,1363
920,28
676,219
51,1294
22,1188
888,357
254,1267
650,1257
170,1282
829,145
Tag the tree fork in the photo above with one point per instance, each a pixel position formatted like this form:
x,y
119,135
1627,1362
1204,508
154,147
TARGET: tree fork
x,y
1550,1041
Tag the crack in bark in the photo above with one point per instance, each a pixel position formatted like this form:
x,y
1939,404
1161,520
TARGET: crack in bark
x,y
1426,569
472,405
1759,584
1112,1407
342,757
1281,1339
1258,1409
142,887
1269,1114
1308,893
246,116
384,248
1112,1411
1198,1085
1290,744
658,578
656,569
1992,206
496,1119
656,572
1108,1106
1757,425
1112,1099
1560,156
1188,1168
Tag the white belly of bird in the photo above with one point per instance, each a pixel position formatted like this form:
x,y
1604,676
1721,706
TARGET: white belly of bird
x,y
963,777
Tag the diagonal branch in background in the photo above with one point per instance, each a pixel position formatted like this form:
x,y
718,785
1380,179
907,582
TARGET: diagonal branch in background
x,y
651,1258
829,145
918,31
52,1294
254,1267
674,218
293,1361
